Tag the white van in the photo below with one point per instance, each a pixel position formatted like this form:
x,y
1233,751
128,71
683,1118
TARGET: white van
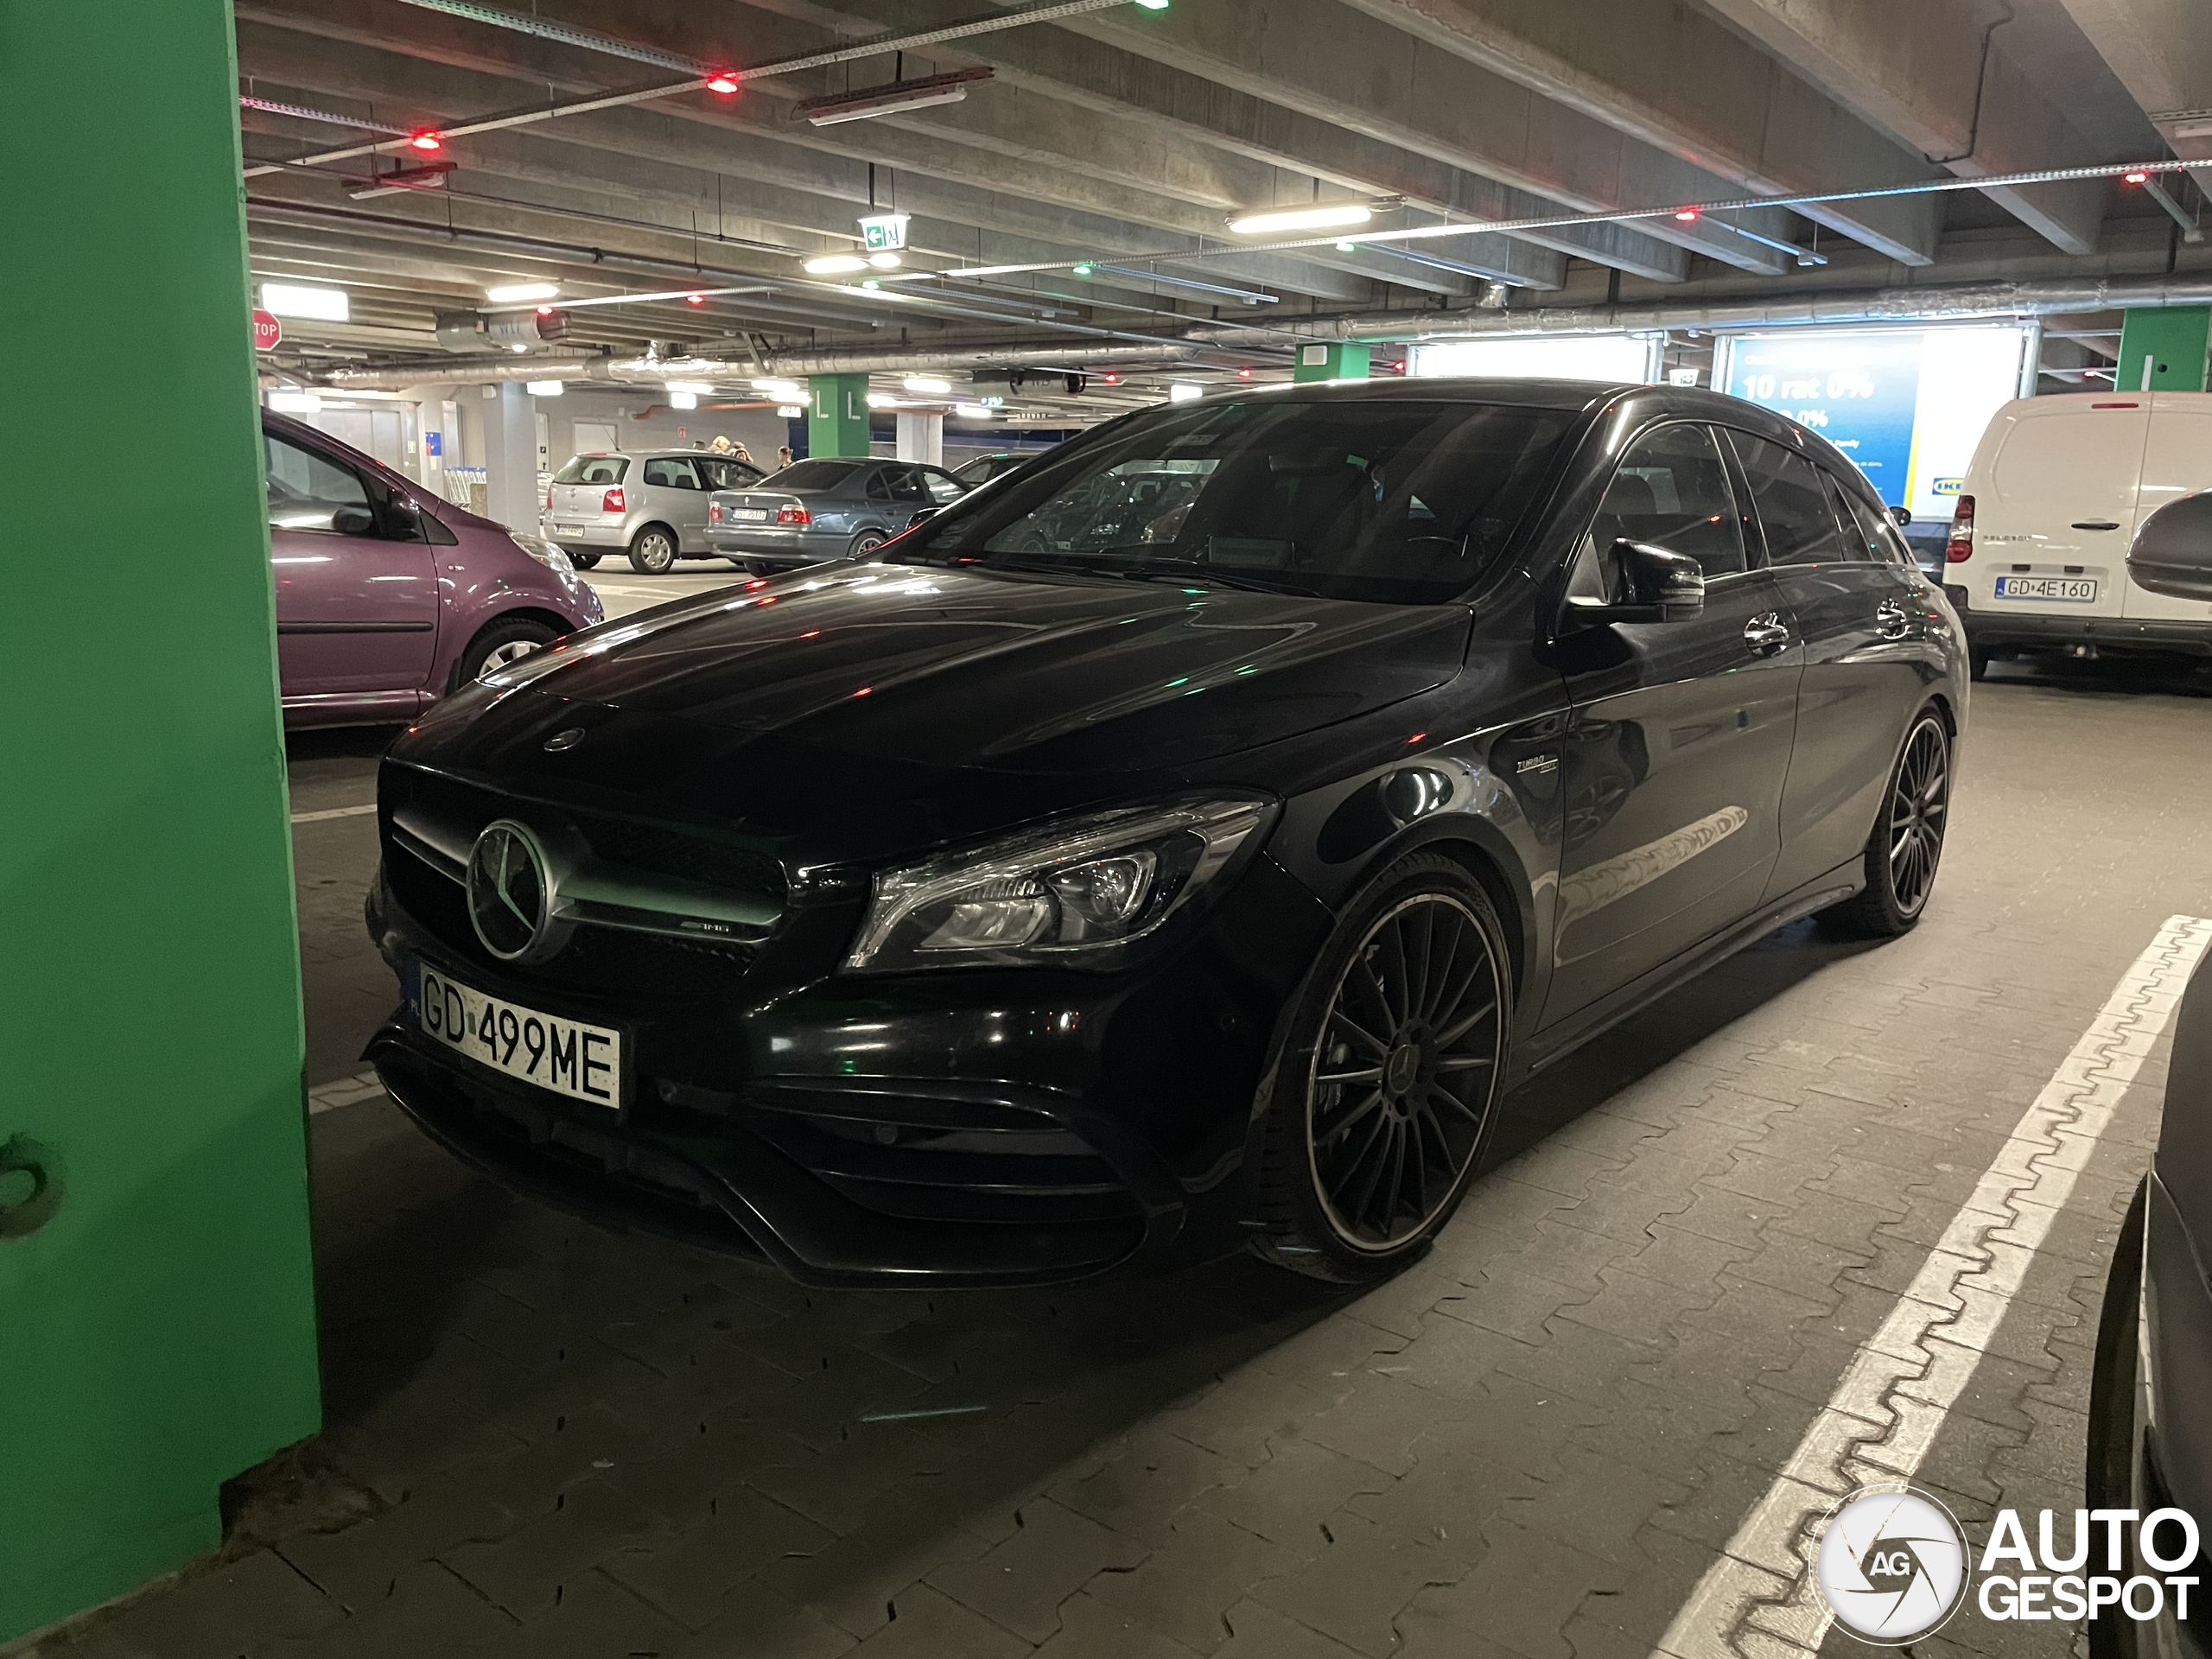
x,y
2037,559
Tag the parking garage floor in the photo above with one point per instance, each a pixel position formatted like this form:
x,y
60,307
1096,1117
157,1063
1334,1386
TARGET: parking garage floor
x,y
545,1440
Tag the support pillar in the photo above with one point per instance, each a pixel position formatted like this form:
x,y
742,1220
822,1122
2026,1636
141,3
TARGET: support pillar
x,y
157,1330
510,457
1337,360
2164,349
921,437
836,421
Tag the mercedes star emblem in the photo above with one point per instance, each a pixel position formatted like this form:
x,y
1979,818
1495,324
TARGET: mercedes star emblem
x,y
508,891
567,739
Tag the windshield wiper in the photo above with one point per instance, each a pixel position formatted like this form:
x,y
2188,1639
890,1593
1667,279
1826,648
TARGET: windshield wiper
x,y
1201,571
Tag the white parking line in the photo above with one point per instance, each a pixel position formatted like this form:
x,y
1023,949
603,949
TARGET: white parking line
x,y
334,813
1759,1597
346,1091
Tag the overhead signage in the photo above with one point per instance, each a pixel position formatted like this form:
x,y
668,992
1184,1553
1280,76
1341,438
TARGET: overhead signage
x,y
884,233
1907,404
267,331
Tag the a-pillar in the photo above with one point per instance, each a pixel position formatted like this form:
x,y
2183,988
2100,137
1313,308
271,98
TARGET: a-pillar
x,y
2164,349
1335,359
157,1332
836,418
510,457
921,437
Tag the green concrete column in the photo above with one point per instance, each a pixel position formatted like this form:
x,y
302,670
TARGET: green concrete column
x,y
156,1295
2171,343
837,419
1339,359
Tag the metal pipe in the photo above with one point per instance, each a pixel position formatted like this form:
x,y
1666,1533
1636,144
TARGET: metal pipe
x,y
607,368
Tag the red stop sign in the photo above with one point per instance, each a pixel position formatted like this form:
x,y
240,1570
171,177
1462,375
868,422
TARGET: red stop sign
x,y
267,331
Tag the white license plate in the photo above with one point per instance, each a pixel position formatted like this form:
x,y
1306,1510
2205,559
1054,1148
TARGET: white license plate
x,y
2068,590
752,515
566,1056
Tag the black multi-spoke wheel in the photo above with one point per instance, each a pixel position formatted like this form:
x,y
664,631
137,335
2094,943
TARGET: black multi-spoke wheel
x,y
1385,1088
1907,845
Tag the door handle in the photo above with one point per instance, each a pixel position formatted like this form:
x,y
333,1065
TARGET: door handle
x,y
1767,634
2097,524
1891,620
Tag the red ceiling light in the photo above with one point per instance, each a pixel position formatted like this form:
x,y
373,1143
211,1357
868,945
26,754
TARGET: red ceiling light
x,y
1243,374
426,139
695,299
1113,379
545,310
2139,176
1685,215
723,81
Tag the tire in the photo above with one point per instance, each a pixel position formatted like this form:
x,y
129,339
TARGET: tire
x,y
1906,845
753,566
867,542
2110,1482
583,561
652,550
1410,1001
497,643
1977,661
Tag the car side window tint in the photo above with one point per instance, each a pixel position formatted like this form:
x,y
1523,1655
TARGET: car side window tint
x,y
306,492
1861,541
905,484
1671,490
1792,502
672,473
879,488
725,475
943,487
1880,532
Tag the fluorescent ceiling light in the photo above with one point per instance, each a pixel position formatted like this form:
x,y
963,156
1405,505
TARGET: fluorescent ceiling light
x,y
517,293
929,384
973,412
835,264
684,400
294,403
883,261
1185,392
881,400
1324,216
289,299
790,389
924,93
545,388
696,388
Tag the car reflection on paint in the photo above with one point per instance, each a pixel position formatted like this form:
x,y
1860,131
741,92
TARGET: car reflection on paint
x,y
1183,844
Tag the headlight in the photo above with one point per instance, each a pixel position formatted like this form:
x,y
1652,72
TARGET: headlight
x,y
1069,893
544,551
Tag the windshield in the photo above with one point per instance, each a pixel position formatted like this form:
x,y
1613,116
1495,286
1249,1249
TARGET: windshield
x,y
813,474
1404,502
593,470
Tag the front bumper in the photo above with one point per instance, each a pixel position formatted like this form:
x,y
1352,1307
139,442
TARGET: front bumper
x,y
2000,630
973,1128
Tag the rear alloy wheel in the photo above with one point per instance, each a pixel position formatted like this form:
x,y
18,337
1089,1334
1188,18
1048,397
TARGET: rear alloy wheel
x,y
865,542
1384,1092
652,552
496,646
1907,843
583,561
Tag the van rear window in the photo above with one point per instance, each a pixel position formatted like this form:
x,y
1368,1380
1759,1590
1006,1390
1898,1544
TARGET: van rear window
x,y
593,469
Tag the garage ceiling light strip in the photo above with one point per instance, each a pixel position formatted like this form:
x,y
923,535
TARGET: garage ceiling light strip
x,y
1628,215
875,46
1892,1398
330,118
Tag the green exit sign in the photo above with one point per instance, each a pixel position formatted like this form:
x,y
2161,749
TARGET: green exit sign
x,y
884,233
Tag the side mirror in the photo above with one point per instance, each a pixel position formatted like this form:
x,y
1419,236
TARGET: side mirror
x,y
1663,587
926,513
2173,550
1900,517
353,521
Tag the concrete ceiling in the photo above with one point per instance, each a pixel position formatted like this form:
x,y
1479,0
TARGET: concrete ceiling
x,y
1127,137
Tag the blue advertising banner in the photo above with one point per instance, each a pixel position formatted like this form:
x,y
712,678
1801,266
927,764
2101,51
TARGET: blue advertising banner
x,y
1858,391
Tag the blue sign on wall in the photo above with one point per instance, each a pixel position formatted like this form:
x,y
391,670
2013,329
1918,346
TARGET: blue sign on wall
x,y
434,443
1858,391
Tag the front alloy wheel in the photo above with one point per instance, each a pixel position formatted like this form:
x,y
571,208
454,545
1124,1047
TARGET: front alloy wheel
x,y
1370,1144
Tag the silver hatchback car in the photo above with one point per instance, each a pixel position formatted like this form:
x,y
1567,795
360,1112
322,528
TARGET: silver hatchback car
x,y
653,505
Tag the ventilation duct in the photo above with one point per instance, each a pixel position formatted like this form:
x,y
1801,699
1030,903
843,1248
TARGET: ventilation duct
x,y
476,330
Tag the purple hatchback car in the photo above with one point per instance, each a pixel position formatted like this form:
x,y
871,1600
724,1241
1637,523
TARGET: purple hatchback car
x,y
387,597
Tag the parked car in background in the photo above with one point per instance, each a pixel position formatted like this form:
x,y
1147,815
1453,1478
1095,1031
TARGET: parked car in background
x,y
2037,554
822,508
653,505
984,468
974,914
388,597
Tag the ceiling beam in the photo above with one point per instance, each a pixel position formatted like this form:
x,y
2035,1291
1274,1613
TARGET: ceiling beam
x,y
2162,52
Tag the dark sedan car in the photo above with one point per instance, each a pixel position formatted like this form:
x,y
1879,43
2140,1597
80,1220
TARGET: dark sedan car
x,y
985,912
822,508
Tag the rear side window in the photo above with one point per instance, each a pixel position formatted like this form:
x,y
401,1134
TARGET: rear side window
x,y
824,474
1792,502
1866,534
905,484
672,472
593,469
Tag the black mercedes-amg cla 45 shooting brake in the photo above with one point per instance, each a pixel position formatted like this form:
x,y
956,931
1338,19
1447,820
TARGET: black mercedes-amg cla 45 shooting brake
x,y
1006,907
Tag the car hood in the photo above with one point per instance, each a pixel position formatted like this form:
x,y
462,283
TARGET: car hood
x,y
967,669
